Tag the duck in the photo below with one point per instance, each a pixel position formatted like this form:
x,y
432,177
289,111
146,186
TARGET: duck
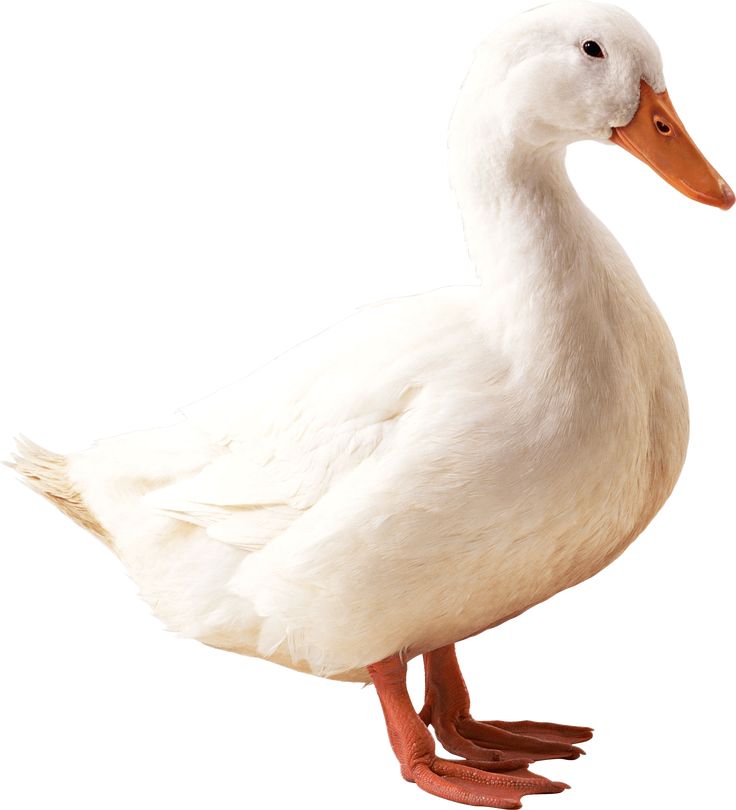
x,y
435,465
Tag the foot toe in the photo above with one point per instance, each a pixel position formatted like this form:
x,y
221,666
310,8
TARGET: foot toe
x,y
510,744
467,785
551,732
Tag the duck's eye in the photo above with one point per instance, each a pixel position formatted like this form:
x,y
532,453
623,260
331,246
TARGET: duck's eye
x,y
592,48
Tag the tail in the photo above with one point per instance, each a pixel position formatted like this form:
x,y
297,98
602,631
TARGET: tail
x,y
47,473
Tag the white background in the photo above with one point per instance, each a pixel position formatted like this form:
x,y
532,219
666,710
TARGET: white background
x,y
187,189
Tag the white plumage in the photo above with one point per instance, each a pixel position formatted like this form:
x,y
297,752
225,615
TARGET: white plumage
x,y
432,465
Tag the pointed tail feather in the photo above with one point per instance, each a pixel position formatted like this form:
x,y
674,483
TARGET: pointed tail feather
x,y
47,473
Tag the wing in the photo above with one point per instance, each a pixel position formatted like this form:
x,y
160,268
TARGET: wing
x,y
296,428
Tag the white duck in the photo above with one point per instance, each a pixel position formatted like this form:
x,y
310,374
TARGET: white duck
x,y
435,465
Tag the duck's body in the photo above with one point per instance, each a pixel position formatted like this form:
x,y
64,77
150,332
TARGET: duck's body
x,y
435,465
417,473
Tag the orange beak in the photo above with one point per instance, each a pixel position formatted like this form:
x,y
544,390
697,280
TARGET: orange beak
x,y
657,136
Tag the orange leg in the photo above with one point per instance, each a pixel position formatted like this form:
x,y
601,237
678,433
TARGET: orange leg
x,y
447,709
465,782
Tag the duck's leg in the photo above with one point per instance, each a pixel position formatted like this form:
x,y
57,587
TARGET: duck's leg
x,y
458,781
447,708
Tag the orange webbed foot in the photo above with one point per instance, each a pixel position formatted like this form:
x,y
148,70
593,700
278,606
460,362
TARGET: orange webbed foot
x,y
447,709
496,740
478,783
462,783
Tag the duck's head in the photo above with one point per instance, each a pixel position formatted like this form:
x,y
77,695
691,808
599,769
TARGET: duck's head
x,y
570,71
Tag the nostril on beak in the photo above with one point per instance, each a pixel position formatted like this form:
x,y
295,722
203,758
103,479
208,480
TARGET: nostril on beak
x,y
662,125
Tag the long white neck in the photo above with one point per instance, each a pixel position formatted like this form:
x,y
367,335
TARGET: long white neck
x,y
524,222
554,276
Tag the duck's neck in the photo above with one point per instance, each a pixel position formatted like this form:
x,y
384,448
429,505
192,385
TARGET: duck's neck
x,y
524,223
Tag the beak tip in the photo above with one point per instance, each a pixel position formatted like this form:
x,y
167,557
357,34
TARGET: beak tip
x,y
728,196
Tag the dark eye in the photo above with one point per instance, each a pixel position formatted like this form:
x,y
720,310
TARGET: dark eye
x,y
592,48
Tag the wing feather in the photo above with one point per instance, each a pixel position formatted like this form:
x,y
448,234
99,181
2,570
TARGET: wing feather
x,y
294,429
